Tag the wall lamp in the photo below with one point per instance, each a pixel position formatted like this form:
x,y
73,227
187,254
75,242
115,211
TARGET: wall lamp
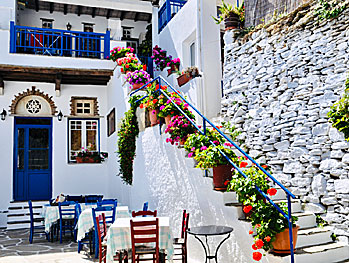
x,y
68,26
60,116
3,114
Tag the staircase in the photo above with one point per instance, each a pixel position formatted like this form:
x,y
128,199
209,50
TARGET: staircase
x,y
18,216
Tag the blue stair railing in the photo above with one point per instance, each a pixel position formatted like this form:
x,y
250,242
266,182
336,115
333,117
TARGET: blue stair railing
x,y
162,82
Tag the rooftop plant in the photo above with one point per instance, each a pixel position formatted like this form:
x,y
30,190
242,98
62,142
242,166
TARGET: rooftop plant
x,y
227,9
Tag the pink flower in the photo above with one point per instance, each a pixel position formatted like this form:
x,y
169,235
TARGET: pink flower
x,y
190,154
162,107
203,148
216,142
228,144
192,149
153,112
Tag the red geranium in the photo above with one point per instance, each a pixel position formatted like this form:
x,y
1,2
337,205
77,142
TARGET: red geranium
x,y
257,256
243,164
271,191
268,238
259,243
141,106
226,182
250,232
254,247
247,208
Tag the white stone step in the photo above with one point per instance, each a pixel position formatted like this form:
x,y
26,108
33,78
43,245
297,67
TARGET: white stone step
x,y
326,253
305,220
296,205
314,236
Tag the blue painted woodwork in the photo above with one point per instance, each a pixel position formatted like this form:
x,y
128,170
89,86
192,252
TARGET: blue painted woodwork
x,y
162,82
145,206
56,42
148,61
101,209
167,11
67,210
35,230
32,160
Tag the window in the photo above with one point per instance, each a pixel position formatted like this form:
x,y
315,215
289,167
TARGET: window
x,y
133,44
126,32
192,54
88,27
83,134
47,23
83,106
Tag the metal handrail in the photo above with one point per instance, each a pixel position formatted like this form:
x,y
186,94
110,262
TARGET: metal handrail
x,y
288,216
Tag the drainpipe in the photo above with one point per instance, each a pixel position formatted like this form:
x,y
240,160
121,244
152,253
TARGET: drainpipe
x,y
200,57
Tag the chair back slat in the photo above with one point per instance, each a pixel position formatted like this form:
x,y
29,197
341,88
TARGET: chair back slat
x,y
145,232
145,206
185,225
145,213
107,206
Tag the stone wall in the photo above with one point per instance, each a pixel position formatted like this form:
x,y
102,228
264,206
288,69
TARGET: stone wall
x,y
278,90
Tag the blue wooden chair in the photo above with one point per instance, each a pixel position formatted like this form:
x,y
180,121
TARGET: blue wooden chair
x,y
67,219
93,198
109,203
109,219
35,230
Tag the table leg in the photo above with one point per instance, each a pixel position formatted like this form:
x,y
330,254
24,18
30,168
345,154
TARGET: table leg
x,y
216,253
203,245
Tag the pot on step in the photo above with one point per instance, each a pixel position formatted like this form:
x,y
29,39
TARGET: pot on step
x,y
281,245
221,174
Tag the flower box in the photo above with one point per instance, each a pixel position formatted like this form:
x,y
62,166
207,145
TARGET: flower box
x,y
85,160
183,79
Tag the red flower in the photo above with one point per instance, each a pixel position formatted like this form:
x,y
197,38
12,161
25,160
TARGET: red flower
x,y
226,182
122,70
267,238
141,106
258,225
144,67
265,166
155,101
250,232
259,243
257,256
243,164
247,208
172,112
254,247
127,66
271,191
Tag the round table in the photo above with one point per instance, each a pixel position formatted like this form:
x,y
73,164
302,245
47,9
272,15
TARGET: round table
x,y
211,230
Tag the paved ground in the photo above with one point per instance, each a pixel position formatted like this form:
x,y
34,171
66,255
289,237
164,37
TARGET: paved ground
x,y
15,248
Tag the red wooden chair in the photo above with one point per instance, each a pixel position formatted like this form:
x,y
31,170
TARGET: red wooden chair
x,y
145,240
102,232
145,213
181,243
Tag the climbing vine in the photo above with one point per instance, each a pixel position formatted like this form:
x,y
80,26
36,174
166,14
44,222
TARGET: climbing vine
x,y
339,113
329,9
127,136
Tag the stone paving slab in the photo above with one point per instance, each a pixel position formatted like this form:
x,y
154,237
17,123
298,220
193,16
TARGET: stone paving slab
x,y
15,248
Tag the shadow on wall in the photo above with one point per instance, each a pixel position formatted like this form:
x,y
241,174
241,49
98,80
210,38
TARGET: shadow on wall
x,y
168,180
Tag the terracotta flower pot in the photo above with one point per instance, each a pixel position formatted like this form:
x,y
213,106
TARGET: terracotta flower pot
x,y
153,116
221,174
281,245
137,86
84,160
183,79
232,21
167,119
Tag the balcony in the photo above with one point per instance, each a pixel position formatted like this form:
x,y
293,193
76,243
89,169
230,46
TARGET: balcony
x,y
168,10
55,42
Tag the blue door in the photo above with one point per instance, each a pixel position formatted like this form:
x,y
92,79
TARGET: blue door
x,y
33,159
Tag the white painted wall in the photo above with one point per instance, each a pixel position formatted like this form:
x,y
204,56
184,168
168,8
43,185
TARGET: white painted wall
x,y
195,18
7,13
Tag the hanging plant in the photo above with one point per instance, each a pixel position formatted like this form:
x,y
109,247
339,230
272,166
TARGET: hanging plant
x,y
127,136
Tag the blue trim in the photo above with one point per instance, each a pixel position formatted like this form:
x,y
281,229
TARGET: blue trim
x,y
57,42
24,195
167,11
205,121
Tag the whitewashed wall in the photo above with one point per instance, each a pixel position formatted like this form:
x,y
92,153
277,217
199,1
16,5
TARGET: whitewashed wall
x,y
201,29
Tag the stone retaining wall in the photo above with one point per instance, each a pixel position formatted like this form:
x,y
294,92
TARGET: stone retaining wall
x,y
278,90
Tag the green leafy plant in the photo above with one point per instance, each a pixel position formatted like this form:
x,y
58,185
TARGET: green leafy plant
x,y
145,48
329,9
120,52
232,131
127,136
321,222
168,108
339,113
209,157
179,128
197,140
227,9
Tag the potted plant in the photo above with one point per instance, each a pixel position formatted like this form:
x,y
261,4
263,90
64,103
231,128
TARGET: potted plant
x,y
211,157
179,128
174,66
160,58
86,156
120,52
130,63
187,75
197,140
168,109
270,226
233,17
137,78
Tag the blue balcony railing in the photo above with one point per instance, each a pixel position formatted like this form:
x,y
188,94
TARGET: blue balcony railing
x,y
168,10
55,42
